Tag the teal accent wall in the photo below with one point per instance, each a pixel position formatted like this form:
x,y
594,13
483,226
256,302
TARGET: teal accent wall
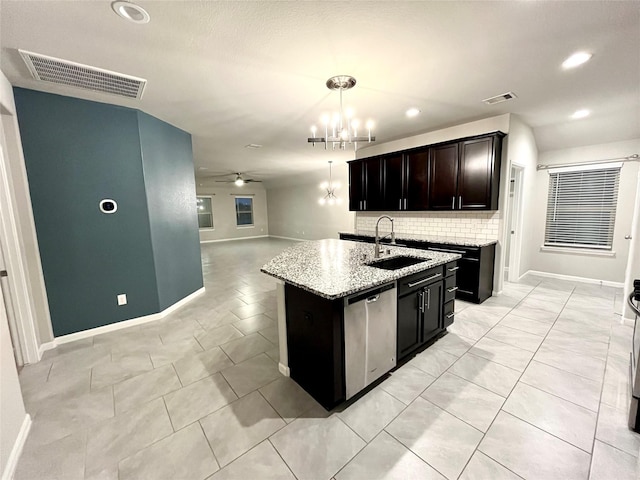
x,y
170,187
78,152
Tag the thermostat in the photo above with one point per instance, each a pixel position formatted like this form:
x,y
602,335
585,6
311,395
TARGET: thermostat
x,y
108,206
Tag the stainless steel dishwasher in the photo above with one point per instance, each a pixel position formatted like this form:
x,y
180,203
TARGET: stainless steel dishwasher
x,y
370,329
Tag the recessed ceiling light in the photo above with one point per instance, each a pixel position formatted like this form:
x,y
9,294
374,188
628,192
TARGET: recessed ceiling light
x,y
412,112
576,59
253,145
580,114
130,11
203,168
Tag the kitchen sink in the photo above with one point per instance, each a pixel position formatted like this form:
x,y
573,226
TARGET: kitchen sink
x,y
395,263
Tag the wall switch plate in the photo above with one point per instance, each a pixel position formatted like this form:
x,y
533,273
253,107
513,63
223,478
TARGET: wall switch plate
x,y
122,299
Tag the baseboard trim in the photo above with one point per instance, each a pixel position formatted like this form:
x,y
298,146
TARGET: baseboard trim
x,y
18,446
284,370
572,278
289,238
112,327
233,239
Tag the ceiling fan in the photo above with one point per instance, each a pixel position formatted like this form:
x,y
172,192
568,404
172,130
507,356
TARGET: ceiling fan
x,y
239,180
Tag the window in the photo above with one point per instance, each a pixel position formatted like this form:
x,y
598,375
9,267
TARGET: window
x,y
581,208
244,211
205,212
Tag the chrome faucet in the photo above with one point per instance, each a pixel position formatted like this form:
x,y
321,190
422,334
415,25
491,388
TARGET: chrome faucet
x,y
393,235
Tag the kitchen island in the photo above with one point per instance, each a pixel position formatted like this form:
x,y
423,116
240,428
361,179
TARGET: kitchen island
x,y
345,319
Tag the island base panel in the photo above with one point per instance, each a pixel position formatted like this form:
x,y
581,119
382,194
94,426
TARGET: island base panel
x,y
315,332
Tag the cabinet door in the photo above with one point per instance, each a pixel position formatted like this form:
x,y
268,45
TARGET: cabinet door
x,y
393,182
443,177
432,296
417,180
373,196
409,323
476,170
468,278
356,186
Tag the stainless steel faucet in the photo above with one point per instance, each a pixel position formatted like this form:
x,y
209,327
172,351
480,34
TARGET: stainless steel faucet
x,y
393,235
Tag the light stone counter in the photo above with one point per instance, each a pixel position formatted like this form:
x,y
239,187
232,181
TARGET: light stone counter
x,y
465,242
336,268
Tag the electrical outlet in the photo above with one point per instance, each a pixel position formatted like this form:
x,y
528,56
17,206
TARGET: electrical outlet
x,y
122,299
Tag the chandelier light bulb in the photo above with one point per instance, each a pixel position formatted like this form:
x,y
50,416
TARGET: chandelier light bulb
x,y
313,130
369,124
239,182
331,201
341,127
322,201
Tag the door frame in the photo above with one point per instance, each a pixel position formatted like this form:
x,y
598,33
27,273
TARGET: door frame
x,y
515,240
16,274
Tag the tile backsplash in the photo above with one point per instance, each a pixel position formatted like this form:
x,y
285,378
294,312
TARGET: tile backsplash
x,y
473,225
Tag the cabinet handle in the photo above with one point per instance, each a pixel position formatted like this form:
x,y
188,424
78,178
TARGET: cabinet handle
x,y
453,203
451,315
419,282
452,289
421,301
460,202
428,298
400,206
453,269
405,203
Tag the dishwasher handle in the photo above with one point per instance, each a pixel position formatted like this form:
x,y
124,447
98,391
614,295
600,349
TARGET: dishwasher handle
x,y
373,298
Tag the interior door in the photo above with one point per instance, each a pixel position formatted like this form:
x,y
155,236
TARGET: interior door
x,y
7,308
443,177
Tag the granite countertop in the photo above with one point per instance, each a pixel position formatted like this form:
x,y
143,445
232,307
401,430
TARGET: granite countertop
x,y
334,268
466,242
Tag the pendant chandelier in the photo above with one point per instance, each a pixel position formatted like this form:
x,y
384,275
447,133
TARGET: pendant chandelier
x,y
330,188
341,128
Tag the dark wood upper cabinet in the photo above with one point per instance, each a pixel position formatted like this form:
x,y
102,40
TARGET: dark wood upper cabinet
x,y
374,191
394,188
443,176
417,180
462,174
357,183
479,175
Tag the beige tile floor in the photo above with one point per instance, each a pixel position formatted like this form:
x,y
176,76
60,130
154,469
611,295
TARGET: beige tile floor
x,y
530,384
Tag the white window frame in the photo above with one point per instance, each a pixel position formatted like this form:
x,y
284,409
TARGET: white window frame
x,y
210,197
235,206
577,198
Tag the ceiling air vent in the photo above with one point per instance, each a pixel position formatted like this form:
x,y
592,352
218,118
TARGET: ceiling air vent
x,y
64,72
500,98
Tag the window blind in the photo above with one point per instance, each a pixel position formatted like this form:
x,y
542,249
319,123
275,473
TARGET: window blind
x,y
581,207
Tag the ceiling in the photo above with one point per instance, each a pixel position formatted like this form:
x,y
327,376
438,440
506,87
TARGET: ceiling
x,y
236,73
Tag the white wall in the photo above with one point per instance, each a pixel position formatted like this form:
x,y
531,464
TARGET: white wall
x,y
522,151
294,211
486,125
578,264
224,212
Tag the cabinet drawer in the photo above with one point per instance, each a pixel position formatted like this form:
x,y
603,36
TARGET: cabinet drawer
x,y
448,314
420,280
450,269
450,287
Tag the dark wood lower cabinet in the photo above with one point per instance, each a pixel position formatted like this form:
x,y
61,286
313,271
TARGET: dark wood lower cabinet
x,y
419,310
315,341
475,269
